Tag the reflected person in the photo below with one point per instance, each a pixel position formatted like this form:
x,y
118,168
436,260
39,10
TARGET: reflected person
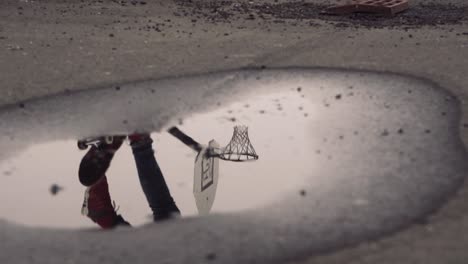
x,y
97,204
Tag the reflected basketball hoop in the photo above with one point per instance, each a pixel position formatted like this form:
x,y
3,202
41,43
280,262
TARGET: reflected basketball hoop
x,y
239,148
205,178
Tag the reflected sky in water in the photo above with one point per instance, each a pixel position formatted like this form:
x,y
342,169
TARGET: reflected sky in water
x,y
277,129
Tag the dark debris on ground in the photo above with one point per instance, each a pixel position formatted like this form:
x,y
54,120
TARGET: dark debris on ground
x,y
427,14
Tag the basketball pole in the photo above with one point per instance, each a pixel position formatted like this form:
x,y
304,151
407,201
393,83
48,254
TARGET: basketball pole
x,y
184,138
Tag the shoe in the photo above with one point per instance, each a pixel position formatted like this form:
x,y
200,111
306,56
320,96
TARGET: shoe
x,y
98,207
171,215
97,160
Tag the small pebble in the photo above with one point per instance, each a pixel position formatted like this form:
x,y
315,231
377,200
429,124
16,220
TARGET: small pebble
x,y
210,256
55,189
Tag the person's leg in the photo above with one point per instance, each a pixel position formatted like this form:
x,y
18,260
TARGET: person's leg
x,y
97,205
151,178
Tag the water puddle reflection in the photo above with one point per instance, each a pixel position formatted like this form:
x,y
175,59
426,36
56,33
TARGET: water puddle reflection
x,y
353,154
44,177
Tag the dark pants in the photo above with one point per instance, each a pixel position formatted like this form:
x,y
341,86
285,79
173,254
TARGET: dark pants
x,y
152,182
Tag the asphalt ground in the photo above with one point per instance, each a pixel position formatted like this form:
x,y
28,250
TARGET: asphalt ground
x,y
58,47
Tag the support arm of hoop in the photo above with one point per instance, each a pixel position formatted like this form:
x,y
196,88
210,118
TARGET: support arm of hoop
x,y
185,138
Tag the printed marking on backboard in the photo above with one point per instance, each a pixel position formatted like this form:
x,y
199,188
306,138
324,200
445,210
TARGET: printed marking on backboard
x,y
207,177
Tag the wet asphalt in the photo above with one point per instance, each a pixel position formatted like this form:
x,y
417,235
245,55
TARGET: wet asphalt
x,y
103,55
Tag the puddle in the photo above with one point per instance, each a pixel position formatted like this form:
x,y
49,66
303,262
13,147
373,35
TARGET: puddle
x,y
48,172
344,156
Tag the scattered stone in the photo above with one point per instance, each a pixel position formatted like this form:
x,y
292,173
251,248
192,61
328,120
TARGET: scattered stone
x,y
117,88
210,256
338,96
419,15
400,131
303,192
21,105
14,47
55,189
385,133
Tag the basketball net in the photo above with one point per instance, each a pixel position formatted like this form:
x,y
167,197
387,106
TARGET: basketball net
x,y
239,148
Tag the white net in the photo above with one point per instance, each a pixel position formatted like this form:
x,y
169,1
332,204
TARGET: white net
x,y
239,148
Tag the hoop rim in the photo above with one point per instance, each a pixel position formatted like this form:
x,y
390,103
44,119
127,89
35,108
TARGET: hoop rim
x,y
238,160
239,157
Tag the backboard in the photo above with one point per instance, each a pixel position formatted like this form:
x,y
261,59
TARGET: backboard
x,y
205,180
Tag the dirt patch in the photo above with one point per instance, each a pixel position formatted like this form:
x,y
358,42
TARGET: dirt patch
x,y
427,14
